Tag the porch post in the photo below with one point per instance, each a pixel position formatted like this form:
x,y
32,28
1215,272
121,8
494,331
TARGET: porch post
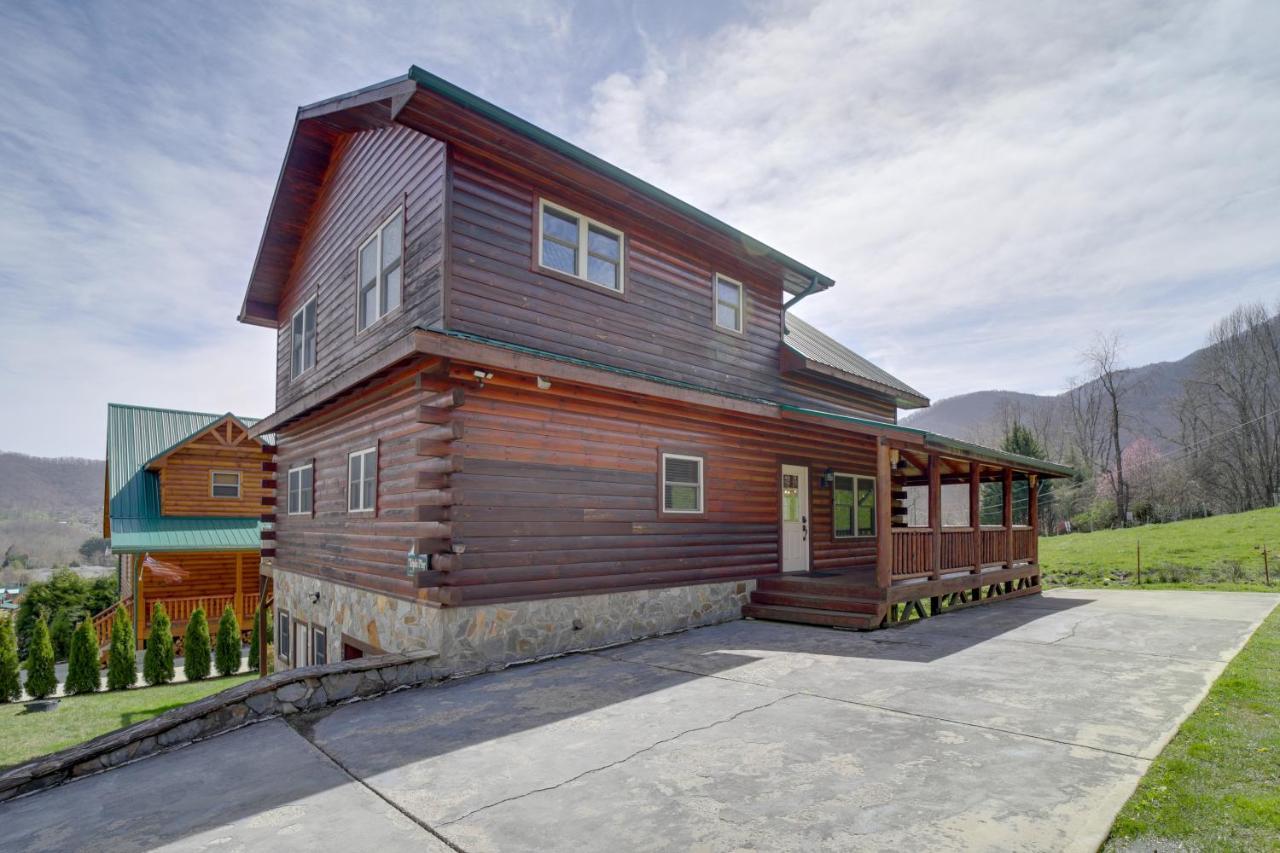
x,y
975,513
1008,518
262,624
884,517
139,605
935,512
239,602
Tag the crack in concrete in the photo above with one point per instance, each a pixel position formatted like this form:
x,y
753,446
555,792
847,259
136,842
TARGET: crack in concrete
x,y
623,760
303,730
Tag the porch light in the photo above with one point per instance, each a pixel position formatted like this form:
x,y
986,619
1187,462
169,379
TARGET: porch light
x,y
828,478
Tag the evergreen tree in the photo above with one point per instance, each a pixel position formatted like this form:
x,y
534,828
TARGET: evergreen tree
x,y
227,653
157,661
82,667
10,683
41,679
195,647
122,663
60,631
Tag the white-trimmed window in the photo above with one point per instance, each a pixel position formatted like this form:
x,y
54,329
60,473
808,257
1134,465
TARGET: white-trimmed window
x,y
379,271
681,483
302,339
224,484
729,302
853,505
362,480
572,244
301,481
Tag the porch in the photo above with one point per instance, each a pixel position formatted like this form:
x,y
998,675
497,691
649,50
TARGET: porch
x,y
953,528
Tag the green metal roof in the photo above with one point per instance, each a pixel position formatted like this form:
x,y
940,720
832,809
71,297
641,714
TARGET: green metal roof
x,y
175,533
817,346
136,436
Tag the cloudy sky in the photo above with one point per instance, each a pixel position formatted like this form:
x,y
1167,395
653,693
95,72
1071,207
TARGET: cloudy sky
x,y
989,183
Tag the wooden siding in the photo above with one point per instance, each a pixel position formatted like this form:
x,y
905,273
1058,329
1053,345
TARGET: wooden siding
x,y
371,173
211,574
184,478
557,492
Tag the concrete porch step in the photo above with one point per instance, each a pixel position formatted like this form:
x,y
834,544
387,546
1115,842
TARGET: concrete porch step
x,y
816,601
811,616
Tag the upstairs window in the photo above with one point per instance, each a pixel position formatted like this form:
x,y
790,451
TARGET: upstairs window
x,y
728,304
303,340
574,245
380,270
681,483
224,484
301,479
853,505
362,480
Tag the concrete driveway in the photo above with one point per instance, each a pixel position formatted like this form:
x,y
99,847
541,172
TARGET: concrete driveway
x,y
1016,726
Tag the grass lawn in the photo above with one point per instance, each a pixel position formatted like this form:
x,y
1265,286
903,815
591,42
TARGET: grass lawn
x,y
1216,786
1220,552
25,735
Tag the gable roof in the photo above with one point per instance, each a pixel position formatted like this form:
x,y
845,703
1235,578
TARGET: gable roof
x,y
136,437
318,127
825,351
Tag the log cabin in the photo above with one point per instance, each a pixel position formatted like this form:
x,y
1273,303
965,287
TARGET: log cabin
x,y
528,403
182,504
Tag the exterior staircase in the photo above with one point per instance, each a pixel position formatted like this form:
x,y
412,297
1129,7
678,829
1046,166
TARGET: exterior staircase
x,y
836,600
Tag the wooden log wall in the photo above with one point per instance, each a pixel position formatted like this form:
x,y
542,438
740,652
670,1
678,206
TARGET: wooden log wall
x,y
184,477
203,574
371,173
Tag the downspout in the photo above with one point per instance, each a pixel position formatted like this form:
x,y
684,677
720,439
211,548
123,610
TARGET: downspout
x,y
786,306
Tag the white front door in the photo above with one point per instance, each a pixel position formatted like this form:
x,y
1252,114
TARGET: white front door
x,y
794,494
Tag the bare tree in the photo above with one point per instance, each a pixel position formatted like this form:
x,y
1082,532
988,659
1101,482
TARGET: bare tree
x,y
1110,385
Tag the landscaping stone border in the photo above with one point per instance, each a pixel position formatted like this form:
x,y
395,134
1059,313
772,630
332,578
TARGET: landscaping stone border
x,y
292,691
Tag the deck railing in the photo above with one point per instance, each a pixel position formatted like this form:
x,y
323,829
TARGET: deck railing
x,y
102,622
960,547
180,609
912,552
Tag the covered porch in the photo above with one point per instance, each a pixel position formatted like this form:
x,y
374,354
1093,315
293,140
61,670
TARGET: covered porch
x,y
955,525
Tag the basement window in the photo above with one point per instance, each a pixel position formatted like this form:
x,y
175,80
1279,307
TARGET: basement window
x,y
380,271
224,484
576,246
302,340
728,303
853,506
681,483
362,480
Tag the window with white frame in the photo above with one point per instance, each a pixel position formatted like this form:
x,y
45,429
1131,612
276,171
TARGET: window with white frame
x,y
572,244
362,480
380,271
729,303
853,505
302,340
224,484
301,480
681,483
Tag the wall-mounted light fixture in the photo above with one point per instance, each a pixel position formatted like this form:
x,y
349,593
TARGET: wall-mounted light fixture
x,y
828,478
315,598
544,384
481,376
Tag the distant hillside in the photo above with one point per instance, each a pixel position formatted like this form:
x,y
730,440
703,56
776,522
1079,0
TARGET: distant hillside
x,y
978,416
48,507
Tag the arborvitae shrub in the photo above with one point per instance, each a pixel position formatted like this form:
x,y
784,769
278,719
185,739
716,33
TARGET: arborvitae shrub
x,y
195,647
41,679
60,631
122,663
82,666
10,683
227,654
157,661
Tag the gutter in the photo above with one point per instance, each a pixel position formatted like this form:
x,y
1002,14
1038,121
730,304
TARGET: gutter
x,y
786,306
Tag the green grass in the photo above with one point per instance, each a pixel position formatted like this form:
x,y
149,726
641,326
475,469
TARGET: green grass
x,y
25,735
1216,786
1221,552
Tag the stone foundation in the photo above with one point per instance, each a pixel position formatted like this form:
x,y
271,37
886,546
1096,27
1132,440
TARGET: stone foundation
x,y
473,639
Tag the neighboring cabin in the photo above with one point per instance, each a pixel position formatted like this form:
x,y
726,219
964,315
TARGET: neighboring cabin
x,y
183,498
526,402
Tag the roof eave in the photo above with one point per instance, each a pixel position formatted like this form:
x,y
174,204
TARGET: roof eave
x,y
903,398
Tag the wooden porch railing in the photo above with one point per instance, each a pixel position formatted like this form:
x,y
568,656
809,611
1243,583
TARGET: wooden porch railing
x,y
180,609
102,622
957,548
912,552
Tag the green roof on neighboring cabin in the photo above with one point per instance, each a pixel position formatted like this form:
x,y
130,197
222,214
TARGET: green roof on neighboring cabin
x,y
136,436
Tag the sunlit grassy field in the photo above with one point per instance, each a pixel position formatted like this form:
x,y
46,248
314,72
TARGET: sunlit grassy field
x,y
25,735
1221,552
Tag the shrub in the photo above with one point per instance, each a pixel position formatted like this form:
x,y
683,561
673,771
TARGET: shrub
x,y
60,631
195,647
122,664
157,661
64,592
10,683
82,667
227,654
41,679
